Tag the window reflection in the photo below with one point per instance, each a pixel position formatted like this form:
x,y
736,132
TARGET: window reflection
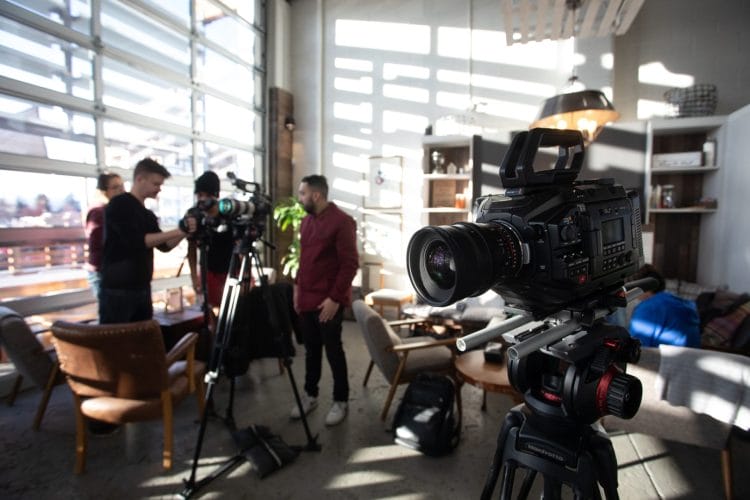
x,y
46,61
177,9
34,129
125,145
74,14
224,159
138,92
211,18
142,35
228,120
224,74
229,32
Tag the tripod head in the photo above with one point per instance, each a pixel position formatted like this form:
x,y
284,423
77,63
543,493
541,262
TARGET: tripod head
x,y
570,366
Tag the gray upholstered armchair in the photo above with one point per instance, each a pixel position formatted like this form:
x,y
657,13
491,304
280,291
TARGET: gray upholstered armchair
x,y
400,360
31,360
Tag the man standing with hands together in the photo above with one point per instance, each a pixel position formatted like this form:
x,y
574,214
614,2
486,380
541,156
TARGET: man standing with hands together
x,y
323,288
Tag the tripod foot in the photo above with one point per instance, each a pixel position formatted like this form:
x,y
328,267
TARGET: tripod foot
x,y
312,445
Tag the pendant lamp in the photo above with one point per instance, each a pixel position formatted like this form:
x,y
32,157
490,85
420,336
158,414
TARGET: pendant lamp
x,y
584,110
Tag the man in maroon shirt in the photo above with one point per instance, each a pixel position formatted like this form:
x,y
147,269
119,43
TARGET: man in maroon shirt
x,y
328,263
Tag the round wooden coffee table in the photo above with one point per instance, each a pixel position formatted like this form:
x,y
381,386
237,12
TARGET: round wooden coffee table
x,y
473,369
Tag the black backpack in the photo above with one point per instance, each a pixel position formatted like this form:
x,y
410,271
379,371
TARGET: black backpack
x,y
425,419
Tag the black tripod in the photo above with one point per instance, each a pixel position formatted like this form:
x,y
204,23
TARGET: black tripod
x,y
564,452
238,279
567,385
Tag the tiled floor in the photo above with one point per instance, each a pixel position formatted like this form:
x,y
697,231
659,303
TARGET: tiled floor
x,y
358,458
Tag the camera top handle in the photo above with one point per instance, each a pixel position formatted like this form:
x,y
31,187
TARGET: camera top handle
x,y
517,169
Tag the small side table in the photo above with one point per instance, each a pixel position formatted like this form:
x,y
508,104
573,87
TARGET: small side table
x,y
473,369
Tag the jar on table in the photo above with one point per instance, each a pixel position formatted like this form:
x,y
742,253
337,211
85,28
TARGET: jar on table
x,y
667,196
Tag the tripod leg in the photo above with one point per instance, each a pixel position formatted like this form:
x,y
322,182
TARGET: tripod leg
x,y
606,465
552,489
229,301
512,420
229,418
528,480
506,486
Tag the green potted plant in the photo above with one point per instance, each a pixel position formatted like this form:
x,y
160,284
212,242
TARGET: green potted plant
x,y
287,214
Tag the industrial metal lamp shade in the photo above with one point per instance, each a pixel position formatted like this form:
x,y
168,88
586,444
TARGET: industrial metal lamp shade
x,y
587,111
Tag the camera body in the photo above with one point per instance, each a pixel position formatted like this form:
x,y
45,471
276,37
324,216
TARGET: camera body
x,y
547,243
239,216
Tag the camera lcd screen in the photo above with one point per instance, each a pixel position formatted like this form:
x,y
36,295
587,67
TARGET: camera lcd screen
x,y
612,231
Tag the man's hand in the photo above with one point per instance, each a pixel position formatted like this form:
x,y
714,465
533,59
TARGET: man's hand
x,y
328,309
189,223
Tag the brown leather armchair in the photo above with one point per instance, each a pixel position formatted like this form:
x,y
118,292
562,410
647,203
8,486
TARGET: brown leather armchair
x,y
120,373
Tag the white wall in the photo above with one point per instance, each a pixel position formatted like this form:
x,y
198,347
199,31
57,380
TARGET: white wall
x,y
705,41
724,256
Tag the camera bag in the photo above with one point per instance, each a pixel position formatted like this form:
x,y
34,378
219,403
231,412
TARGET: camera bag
x,y
265,451
426,418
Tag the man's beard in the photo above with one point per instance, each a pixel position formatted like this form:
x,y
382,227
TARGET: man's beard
x,y
309,208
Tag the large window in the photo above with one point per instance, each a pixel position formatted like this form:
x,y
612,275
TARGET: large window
x,y
92,86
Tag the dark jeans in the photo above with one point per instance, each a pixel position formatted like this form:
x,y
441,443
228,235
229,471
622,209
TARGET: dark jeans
x,y
124,306
316,336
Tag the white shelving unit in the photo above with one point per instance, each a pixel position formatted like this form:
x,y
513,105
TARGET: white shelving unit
x,y
677,229
447,197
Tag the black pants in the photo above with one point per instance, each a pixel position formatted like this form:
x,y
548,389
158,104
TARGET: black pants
x,y
124,306
316,336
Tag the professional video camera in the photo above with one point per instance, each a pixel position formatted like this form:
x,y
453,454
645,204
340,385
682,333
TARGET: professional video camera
x,y
545,243
232,214
558,250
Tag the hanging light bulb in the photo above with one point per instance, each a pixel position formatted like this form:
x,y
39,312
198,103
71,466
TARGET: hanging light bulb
x,y
585,110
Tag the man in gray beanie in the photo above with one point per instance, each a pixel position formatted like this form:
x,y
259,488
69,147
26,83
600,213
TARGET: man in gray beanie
x,y
218,245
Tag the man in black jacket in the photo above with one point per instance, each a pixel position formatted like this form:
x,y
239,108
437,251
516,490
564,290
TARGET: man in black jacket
x,y
131,231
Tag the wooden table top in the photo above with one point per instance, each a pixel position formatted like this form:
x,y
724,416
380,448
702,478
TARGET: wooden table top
x,y
473,369
89,313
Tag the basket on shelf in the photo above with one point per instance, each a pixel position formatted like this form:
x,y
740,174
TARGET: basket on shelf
x,y
696,100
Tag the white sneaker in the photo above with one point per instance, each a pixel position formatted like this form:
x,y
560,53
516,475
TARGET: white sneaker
x,y
308,404
337,413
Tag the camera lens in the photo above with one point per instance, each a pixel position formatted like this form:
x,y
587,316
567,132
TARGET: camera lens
x,y
448,263
233,208
440,265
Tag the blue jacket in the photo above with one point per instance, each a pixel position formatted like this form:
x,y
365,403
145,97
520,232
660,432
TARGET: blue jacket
x,y
666,319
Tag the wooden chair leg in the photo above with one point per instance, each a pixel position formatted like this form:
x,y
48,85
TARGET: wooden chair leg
x,y
281,366
367,374
81,437
394,385
726,472
167,417
45,396
15,389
